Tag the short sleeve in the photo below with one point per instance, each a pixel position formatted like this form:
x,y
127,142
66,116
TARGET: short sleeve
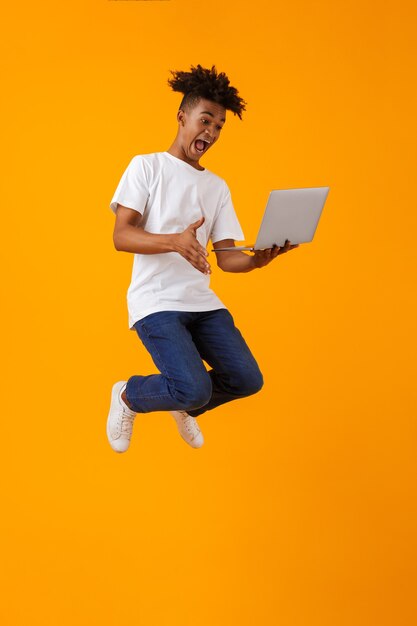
x,y
132,190
226,224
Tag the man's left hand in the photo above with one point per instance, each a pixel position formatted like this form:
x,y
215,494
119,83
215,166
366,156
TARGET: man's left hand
x,y
263,257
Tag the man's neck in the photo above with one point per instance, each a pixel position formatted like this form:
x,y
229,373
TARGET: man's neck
x,y
177,152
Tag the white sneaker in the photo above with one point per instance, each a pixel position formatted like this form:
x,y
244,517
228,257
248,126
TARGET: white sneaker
x,y
120,420
188,428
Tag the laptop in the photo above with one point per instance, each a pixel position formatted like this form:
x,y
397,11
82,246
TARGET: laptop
x,y
291,214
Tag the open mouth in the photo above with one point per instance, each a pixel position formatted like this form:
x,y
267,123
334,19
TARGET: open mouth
x,y
201,145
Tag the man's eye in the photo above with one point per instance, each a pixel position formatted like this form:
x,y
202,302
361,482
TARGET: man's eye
x,y
204,121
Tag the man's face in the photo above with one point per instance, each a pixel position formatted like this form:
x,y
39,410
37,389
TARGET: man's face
x,y
200,128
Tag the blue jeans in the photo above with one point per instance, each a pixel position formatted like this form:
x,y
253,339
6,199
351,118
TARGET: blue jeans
x,y
177,342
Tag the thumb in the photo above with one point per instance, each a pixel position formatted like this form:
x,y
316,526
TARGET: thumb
x,y
198,223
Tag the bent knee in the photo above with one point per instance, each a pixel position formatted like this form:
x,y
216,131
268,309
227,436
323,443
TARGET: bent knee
x,y
250,383
256,382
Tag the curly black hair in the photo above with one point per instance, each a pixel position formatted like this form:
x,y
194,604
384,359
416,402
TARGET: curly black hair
x,y
208,84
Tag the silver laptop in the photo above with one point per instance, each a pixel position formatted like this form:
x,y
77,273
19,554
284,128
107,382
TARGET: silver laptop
x,y
291,214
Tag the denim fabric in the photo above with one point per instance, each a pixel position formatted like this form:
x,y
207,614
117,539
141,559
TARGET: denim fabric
x,y
177,342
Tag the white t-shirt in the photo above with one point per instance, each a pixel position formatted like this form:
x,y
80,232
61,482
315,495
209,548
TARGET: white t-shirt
x,y
170,194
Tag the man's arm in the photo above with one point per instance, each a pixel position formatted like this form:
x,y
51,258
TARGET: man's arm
x,y
238,261
129,236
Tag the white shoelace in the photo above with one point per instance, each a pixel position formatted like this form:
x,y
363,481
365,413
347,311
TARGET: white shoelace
x,y
189,423
127,417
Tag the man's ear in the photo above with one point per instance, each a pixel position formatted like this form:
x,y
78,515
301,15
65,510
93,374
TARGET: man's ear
x,y
180,117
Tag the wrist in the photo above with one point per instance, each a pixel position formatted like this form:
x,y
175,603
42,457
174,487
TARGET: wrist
x,y
172,242
254,266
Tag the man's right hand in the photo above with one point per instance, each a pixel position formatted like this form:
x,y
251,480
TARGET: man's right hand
x,y
187,244
130,236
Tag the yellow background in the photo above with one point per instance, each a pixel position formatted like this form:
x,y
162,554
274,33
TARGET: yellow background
x,y
300,509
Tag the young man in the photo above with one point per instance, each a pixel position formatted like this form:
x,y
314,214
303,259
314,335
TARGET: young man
x,y
167,208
